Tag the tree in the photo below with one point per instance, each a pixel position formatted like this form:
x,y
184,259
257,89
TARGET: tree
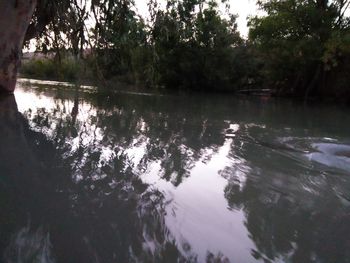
x,y
194,46
22,20
118,34
296,39
15,16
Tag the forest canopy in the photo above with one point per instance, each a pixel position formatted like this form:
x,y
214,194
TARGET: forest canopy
x,y
298,47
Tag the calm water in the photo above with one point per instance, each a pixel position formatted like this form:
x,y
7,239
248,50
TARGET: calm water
x,y
151,178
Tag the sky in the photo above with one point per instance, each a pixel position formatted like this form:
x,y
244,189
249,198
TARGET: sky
x,y
242,8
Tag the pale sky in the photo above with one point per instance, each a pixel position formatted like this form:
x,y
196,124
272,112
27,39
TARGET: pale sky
x,y
242,8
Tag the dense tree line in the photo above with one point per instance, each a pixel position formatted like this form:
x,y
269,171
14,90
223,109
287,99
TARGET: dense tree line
x,y
305,46
298,47
188,44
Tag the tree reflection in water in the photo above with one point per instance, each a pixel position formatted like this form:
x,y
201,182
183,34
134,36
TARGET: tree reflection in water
x,y
50,214
296,211
75,182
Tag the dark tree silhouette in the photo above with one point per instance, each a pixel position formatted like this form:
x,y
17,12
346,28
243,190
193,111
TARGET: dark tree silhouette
x,y
22,20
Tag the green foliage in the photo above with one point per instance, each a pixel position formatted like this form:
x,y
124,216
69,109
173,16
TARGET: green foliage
x,y
195,49
69,69
298,47
188,45
120,36
336,47
298,39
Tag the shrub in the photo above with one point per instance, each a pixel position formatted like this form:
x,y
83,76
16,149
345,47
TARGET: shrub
x,y
45,68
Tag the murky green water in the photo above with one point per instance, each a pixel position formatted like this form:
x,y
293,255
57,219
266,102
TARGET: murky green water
x,y
150,178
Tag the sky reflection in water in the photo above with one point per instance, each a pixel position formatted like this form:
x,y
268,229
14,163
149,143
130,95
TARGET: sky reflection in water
x,y
129,178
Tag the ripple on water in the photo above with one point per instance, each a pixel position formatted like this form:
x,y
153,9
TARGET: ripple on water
x,y
333,155
319,154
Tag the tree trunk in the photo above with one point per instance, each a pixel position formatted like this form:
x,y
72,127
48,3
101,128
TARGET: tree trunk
x,y
15,16
312,83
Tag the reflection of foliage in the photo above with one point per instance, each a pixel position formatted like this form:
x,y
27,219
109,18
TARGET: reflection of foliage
x,y
166,137
216,259
97,151
293,213
91,218
87,152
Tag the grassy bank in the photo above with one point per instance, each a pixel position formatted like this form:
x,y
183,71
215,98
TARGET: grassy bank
x,y
68,69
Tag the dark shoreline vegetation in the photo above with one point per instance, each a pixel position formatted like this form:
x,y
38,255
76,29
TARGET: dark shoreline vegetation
x,y
298,48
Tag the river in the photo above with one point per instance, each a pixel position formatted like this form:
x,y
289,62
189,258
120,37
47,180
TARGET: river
x,y
138,177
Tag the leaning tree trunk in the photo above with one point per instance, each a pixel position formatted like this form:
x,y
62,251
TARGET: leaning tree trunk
x,y
15,16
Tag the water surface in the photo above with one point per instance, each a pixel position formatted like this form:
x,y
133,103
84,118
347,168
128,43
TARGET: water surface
x,y
127,177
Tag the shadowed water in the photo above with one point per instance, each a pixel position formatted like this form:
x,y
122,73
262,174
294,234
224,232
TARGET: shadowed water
x,y
87,177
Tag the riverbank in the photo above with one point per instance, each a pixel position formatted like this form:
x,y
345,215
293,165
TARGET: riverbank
x,y
117,85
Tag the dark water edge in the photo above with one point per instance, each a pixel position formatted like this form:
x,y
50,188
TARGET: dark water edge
x,y
168,178
112,86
